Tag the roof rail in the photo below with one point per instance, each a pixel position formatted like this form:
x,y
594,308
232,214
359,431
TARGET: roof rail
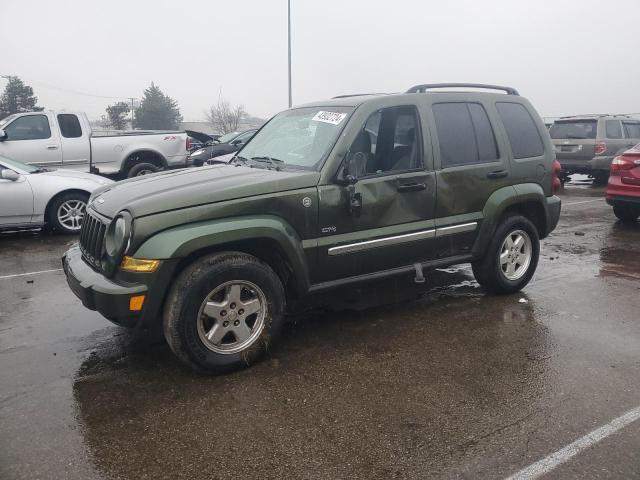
x,y
357,95
431,86
594,115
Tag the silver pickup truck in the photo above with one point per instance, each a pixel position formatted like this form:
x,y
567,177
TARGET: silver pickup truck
x,y
65,139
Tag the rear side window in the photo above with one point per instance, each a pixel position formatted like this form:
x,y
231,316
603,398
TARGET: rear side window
x,y
631,130
521,129
573,129
613,129
69,125
464,134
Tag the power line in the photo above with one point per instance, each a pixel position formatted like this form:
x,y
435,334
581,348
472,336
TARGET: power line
x,y
73,92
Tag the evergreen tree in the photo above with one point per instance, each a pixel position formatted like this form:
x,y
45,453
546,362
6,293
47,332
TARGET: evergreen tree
x,y
117,113
157,111
17,98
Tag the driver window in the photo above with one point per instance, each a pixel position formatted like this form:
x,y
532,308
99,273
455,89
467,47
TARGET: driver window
x,y
388,142
29,127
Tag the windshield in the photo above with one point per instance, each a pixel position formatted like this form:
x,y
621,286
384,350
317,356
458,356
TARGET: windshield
x,y
574,129
6,120
14,164
299,137
227,137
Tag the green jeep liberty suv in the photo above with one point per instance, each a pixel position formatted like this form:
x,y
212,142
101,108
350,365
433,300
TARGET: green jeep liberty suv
x,y
331,193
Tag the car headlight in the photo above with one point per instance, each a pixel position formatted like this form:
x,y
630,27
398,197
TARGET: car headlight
x,y
118,235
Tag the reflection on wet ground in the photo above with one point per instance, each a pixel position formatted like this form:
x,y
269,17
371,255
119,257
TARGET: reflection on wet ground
x,y
395,380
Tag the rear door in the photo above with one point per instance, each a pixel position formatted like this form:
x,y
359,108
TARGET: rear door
x,y
574,140
74,140
470,165
615,140
631,132
31,139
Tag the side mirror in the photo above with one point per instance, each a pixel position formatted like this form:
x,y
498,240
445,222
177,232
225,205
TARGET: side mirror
x,y
237,143
347,177
3,135
8,174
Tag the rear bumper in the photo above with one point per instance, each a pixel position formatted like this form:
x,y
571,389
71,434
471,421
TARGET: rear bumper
x,y
99,293
596,164
554,205
621,201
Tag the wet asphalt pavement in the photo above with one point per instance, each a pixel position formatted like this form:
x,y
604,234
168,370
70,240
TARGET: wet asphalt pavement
x,y
396,381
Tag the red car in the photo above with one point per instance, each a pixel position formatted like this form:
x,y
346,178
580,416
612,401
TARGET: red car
x,y
623,190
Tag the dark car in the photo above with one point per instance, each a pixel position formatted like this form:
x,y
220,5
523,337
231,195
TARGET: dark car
x,y
326,195
228,143
198,140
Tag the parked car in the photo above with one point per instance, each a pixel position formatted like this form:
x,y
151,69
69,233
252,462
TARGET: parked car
x,y
623,190
587,144
66,140
229,143
219,253
34,196
198,140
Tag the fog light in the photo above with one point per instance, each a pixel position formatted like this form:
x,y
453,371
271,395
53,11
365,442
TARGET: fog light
x,y
130,264
136,302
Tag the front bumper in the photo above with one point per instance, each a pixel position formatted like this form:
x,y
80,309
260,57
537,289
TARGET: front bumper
x,y
99,293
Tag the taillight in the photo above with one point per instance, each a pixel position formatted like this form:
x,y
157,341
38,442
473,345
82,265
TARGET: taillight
x,y
621,164
555,176
601,147
187,144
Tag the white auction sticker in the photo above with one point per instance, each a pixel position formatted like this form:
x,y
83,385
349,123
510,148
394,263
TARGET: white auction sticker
x,y
329,117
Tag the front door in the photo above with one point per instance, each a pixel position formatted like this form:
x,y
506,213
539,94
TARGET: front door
x,y
16,201
31,140
394,226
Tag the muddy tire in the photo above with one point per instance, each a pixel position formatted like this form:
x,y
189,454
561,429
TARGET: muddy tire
x,y
66,212
626,214
223,312
512,257
143,168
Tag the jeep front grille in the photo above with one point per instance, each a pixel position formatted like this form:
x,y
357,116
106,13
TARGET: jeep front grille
x,y
92,239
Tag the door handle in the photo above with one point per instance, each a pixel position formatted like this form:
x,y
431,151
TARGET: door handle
x,y
52,147
497,174
412,187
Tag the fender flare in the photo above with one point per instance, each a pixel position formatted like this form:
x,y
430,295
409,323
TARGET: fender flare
x,y
185,240
498,203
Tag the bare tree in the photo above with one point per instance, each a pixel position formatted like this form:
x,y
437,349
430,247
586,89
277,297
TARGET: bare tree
x,y
225,117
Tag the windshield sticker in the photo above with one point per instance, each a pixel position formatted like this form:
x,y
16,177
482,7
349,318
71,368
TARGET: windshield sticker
x,y
333,118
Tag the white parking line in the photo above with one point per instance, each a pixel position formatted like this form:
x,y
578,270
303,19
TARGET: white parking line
x,y
557,458
30,273
579,203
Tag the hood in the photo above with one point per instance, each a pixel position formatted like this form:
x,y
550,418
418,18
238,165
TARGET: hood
x,y
79,175
203,137
177,189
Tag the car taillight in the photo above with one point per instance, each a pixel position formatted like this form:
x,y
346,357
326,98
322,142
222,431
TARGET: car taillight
x,y
601,147
187,144
555,176
621,164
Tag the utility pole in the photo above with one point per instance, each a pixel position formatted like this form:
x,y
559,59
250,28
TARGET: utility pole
x,y
132,99
289,42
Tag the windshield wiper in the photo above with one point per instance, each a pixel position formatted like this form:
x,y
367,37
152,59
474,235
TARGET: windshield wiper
x,y
239,160
276,163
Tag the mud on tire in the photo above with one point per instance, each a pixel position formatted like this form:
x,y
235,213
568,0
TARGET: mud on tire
x,y
186,318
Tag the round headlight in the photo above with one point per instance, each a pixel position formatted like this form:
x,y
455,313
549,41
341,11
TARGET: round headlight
x,y
118,235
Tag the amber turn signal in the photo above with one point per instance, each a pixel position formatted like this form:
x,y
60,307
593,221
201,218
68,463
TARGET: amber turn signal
x,y
136,302
130,264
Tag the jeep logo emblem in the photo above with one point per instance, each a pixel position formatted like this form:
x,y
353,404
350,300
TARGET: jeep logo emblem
x,y
306,201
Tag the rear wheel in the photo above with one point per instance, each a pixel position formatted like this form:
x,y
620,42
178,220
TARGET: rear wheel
x,y
512,257
600,178
67,212
626,214
223,312
143,168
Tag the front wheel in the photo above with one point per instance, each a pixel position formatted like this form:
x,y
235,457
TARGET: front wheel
x,y
223,312
67,212
512,257
626,214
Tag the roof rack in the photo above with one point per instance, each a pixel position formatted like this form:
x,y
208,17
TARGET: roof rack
x,y
432,86
357,95
598,115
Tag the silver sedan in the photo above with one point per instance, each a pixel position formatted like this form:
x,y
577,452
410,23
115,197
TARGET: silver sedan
x,y
32,196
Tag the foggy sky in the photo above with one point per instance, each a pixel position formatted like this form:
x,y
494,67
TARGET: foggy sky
x,y
567,57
